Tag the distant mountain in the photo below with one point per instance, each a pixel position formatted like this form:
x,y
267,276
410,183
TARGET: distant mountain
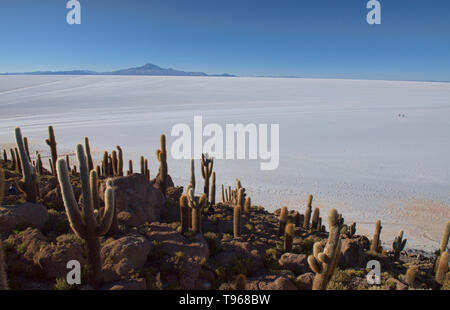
x,y
147,69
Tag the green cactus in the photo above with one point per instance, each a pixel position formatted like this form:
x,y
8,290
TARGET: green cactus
x,y
105,168
88,153
120,161
130,167
375,245
315,219
147,171
207,168
323,261
29,183
83,220
237,221
398,245
445,237
308,212
161,154
442,269
13,160
197,205
184,213
411,276
212,198
115,163
19,164
192,182
247,205
289,237
352,230
51,141
282,221
222,194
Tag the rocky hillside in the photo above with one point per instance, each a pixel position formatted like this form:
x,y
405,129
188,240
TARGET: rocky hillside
x,y
131,231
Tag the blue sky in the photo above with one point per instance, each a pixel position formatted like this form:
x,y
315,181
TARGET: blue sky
x,y
247,37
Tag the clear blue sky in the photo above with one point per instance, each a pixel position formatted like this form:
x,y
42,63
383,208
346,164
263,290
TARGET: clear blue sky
x,y
246,37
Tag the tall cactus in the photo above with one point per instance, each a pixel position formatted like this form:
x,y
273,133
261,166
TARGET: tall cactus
x,y
196,205
207,167
315,219
247,205
375,244
83,220
192,181
282,221
323,261
222,194
443,246
115,163
184,213
105,168
161,154
142,161
237,221
442,269
130,167
398,245
119,161
212,198
289,237
29,182
308,212
51,141
88,153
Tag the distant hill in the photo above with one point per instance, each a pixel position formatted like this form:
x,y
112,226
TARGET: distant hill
x,y
147,69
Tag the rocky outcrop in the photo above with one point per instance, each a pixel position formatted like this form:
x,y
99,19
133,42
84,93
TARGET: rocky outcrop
x,y
297,263
137,201
124,255
21,216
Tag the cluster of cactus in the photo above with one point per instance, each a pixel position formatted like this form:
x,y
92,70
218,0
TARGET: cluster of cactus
x,y
143,166
86,221
398,245
207,164
316,221
112,165
375,245
308,211
161,155
51,141
30,182
323,261
3,277
191,211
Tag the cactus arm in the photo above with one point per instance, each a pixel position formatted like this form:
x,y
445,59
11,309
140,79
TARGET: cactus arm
x,y
94,190
70,203
29,173
108,215
88,210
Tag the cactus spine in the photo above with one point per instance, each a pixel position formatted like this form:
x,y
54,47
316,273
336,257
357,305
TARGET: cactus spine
x,y
83,221
51,141
161,154
289,237
375,244
398,245
308,212
283,221
207,167
237,221
324,261
30,179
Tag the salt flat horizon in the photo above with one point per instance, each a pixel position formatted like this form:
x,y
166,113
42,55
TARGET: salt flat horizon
x,y
340,140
